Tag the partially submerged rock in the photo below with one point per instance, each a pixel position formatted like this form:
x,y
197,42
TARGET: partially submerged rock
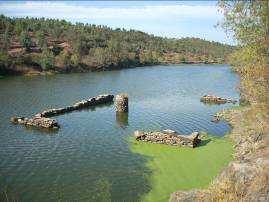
x,y
216,118
168,137
216,100
40,122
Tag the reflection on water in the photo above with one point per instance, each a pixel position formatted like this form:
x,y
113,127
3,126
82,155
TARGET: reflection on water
x,y
90,149
122,119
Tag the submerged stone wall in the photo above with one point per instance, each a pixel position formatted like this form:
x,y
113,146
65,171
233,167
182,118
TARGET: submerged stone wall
x,y
168,137
94,101
42,120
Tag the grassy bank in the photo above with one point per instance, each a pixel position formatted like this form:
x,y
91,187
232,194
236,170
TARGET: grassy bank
x,y
176,168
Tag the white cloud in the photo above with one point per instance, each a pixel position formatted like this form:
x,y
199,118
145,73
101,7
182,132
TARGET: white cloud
x,y
71,11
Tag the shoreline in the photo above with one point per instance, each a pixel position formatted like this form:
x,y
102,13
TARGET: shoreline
x,y
247,174
32,73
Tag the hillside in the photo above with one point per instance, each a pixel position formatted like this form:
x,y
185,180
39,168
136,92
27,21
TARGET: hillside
x,y
42,45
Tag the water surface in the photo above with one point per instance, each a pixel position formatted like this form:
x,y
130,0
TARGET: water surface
x,y
90,154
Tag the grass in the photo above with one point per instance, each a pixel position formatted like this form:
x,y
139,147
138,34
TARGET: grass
x,y
176,168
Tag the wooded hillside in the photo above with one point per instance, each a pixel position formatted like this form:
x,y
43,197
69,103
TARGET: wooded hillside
x,y
31,44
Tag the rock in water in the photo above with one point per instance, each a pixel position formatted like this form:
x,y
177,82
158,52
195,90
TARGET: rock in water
x,y
139,135
216,100
121,103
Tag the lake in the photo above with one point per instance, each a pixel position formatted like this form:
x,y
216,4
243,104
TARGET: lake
x,y
89,158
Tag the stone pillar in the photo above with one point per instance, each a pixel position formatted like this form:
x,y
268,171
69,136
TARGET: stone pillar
x,y
121,103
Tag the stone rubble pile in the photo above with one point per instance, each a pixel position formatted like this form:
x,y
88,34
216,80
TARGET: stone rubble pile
x,y
216,100
42,119
169,137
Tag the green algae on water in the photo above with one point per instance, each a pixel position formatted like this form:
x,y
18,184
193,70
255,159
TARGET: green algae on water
x,y
175,168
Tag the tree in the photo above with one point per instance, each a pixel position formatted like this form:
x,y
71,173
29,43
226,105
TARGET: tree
x,y
6,39
4,59
47,59
64,59
100,55
74,59
25,40
182,59
18,27
40,35
56,31
248,21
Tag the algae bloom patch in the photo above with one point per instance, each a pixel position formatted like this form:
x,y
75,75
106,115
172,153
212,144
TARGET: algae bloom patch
x,y
182,168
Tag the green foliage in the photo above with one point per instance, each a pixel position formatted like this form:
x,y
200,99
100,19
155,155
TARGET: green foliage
x,y
248,20
6,39
47,59
56,32
4,58
25,40
249,23
18,27
183,59
74,60
40,35
101,55
65,59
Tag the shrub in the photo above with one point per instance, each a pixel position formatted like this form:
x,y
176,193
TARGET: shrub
x,y
25,40
47,59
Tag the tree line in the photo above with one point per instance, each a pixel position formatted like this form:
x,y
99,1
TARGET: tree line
x,y
51,44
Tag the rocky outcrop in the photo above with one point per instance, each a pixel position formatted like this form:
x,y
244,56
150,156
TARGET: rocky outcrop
x,y
216,100
168,137
121,103
40,122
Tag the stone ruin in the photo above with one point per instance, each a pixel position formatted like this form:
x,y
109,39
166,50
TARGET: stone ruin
x,y
42,120
94,101
216,100
121,103
169,137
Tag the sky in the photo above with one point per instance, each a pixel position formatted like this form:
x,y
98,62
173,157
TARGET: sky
x,y
172,19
